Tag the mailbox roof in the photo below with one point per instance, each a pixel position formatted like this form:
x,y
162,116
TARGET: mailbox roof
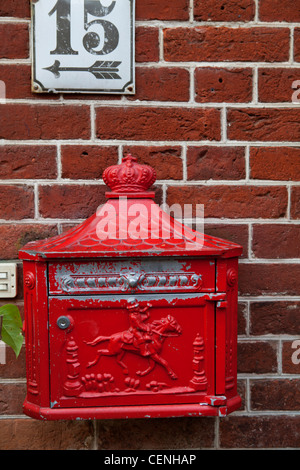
x,y
129,224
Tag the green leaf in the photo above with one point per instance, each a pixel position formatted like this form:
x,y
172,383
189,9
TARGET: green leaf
x,y
11,332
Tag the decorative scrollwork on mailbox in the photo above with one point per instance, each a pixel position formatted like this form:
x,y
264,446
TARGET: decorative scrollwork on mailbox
x,y
132,282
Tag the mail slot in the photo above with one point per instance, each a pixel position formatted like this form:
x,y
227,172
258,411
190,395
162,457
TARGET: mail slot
x,y
130,314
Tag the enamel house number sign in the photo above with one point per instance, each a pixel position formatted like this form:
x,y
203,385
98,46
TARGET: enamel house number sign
x,y
83,46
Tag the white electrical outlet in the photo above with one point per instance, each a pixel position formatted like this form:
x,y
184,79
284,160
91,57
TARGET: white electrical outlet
x,y
8,280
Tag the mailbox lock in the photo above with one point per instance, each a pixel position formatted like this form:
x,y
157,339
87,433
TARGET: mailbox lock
x,y
63,323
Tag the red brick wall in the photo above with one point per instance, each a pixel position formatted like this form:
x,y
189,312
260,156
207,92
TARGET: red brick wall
x,y
214,113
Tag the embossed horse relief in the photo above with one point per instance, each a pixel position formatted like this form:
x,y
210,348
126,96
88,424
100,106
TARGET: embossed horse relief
x,y
143,339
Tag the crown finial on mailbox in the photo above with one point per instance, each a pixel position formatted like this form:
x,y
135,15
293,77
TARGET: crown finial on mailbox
x,y
129,176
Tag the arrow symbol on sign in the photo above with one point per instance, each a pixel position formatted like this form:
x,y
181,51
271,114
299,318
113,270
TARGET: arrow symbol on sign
x,y
100,69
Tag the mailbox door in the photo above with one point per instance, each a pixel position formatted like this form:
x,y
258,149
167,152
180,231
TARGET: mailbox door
x,y
106,352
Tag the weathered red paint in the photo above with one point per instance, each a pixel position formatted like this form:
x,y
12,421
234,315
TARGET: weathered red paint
x,y
123,327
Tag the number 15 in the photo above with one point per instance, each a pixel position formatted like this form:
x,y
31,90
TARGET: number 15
x,y
91,40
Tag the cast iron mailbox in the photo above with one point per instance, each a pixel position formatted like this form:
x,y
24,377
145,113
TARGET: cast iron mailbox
x,y
131,314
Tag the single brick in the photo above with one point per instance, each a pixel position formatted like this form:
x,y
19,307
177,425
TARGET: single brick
x,y
278,85
17,80
29,434
166,160
291,355
217,163
285,394
86,161
279,10
162,10
146,44
224,10
15,236
268,279
12,397
295,202
264,124
275,163
297,44
14,38
149,123
17,202
207,43
257,357
220,85
15,8
242,318
259,432
186,433
27,161
14,367
23,121
70,201
276,241
232,201
161,84
236,233
274,317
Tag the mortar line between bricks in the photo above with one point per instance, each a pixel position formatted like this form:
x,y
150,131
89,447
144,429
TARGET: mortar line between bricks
x,y
58,162
36,201
248,397
96,430
270,376
250,241
93,122
187,23
183,64
174,183
14,380
192,85
224,124
164,192
21,416
292,45
218,24
247,163
208,221
156,143
269,337
191,11
226,64
120,154
248,321
288,209
188,105
279,356
255,86
217,435
271,413
270,298
184,163
256,14
11,19
270,261
160,44
150,104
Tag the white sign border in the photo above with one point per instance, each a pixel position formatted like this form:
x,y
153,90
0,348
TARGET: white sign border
x,y
128,88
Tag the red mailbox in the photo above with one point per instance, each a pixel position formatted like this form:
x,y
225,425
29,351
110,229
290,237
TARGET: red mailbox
x,y
131,314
